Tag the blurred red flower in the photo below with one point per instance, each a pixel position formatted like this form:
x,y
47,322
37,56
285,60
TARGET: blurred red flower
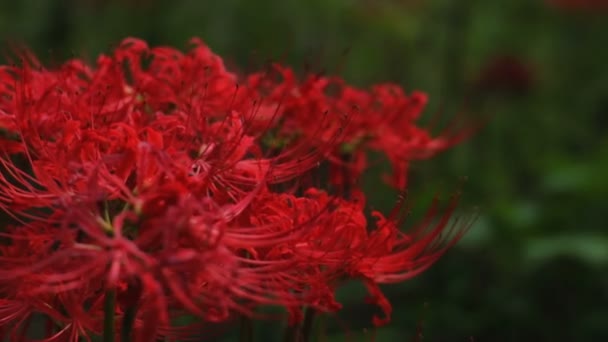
x,y
185,189
505,74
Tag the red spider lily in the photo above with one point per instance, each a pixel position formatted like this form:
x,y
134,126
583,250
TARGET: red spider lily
x,y
343,246
156,177
382,119
508,74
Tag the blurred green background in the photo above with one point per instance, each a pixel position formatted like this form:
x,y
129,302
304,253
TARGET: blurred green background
x,y
534,266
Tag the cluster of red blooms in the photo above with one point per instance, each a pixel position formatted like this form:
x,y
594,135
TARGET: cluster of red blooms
x,y
162,179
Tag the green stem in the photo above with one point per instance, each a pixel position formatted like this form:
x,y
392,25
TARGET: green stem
x,y
309,318
246,333
292,333
320,328
303,332
109,308
127,323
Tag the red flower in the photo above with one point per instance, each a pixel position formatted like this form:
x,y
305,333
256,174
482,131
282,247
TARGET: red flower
x,y
381,119
154,175
507,74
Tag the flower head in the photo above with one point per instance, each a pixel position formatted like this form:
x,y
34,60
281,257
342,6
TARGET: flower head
x,y
156,176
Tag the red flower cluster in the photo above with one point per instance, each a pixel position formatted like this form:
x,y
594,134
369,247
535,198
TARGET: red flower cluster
x,y
165,180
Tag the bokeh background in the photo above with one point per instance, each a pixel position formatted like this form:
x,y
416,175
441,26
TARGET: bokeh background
x,y
533,268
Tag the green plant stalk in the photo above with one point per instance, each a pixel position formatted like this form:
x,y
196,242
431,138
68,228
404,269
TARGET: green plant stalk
x,y
109,308
127,323
246,331
307,325
320,327
292,334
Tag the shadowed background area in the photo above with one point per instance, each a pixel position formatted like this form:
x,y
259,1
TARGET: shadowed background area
x,y
533,267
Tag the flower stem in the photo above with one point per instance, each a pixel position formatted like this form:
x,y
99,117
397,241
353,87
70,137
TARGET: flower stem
x,y
127,323
246,333
301,332
109,308
309,318
292,334
320,328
